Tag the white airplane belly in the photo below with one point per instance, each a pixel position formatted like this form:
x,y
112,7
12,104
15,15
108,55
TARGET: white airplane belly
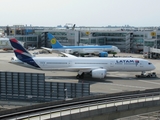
x,y
91,50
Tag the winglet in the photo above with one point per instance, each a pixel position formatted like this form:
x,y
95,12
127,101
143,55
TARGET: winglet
x,y
54,42
68,55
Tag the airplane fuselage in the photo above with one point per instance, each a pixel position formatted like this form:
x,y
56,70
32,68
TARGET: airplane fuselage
x,y
88,49
88,64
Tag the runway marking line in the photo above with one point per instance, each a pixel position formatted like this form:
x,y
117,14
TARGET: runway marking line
x,y
150,82
127,86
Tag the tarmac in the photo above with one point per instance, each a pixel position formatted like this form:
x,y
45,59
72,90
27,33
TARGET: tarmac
x,y
114,81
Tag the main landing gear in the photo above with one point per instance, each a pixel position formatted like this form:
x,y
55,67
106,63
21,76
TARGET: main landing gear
x,y
80,76
147,75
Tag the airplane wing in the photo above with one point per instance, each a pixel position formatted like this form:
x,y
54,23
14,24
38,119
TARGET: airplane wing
x,y
50,50
56,51
68,55
84,69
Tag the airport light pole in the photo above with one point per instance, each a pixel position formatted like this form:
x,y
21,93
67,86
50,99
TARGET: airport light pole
x,y
66,96
156,38
30,99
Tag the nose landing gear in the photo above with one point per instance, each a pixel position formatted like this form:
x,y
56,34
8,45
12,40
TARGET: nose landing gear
x,y
147,75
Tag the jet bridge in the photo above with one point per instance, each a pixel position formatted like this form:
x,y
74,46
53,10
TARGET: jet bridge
x,y
149,52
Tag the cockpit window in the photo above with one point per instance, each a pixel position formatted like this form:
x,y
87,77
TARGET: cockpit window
x,y
149,63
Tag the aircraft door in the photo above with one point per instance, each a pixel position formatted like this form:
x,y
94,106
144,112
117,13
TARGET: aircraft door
x,y
70,63
140,64
112,65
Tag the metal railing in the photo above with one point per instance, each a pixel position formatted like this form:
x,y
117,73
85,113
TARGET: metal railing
x,y
86,104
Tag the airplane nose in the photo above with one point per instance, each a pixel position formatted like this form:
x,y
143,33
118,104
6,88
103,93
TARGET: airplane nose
x,y
118,50
153,67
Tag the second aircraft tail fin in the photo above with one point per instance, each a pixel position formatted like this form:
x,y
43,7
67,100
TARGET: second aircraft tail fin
x,y
54,42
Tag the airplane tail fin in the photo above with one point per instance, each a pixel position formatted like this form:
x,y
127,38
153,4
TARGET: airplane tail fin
x,y
54,42
21,53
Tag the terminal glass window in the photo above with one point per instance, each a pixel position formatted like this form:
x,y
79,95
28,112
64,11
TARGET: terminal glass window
x,y
84,41
138,35
31,38
139,41
158,44
115,40
21,39
97,34
59,33
62,38
72,34
83,34
109,34
117,34
101,41
158,36
93,41
149,43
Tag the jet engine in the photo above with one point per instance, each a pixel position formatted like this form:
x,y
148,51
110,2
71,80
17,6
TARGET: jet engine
x,y
99,73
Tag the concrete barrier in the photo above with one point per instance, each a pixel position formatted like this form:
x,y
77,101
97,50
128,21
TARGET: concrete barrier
x,y
122,107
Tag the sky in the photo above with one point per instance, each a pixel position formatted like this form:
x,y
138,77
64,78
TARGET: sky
x,y
98,13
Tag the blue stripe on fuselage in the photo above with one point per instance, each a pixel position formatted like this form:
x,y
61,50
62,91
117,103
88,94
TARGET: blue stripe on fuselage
x,y
77,47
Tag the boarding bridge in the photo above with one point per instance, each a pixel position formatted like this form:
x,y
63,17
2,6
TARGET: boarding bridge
x,y
149,52
155,50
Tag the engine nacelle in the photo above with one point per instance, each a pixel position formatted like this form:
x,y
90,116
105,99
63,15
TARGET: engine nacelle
x,y
103,54
99,73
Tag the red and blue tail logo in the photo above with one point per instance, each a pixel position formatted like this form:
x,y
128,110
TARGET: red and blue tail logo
x,y
19,49
136,61
21,53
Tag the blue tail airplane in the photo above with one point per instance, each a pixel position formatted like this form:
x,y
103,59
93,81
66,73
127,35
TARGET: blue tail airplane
x,y
91,49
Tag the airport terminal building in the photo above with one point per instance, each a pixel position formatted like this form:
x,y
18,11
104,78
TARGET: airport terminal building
x,y
127,40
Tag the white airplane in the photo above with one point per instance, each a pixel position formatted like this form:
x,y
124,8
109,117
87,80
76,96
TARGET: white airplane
x,y
89,49
97,67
